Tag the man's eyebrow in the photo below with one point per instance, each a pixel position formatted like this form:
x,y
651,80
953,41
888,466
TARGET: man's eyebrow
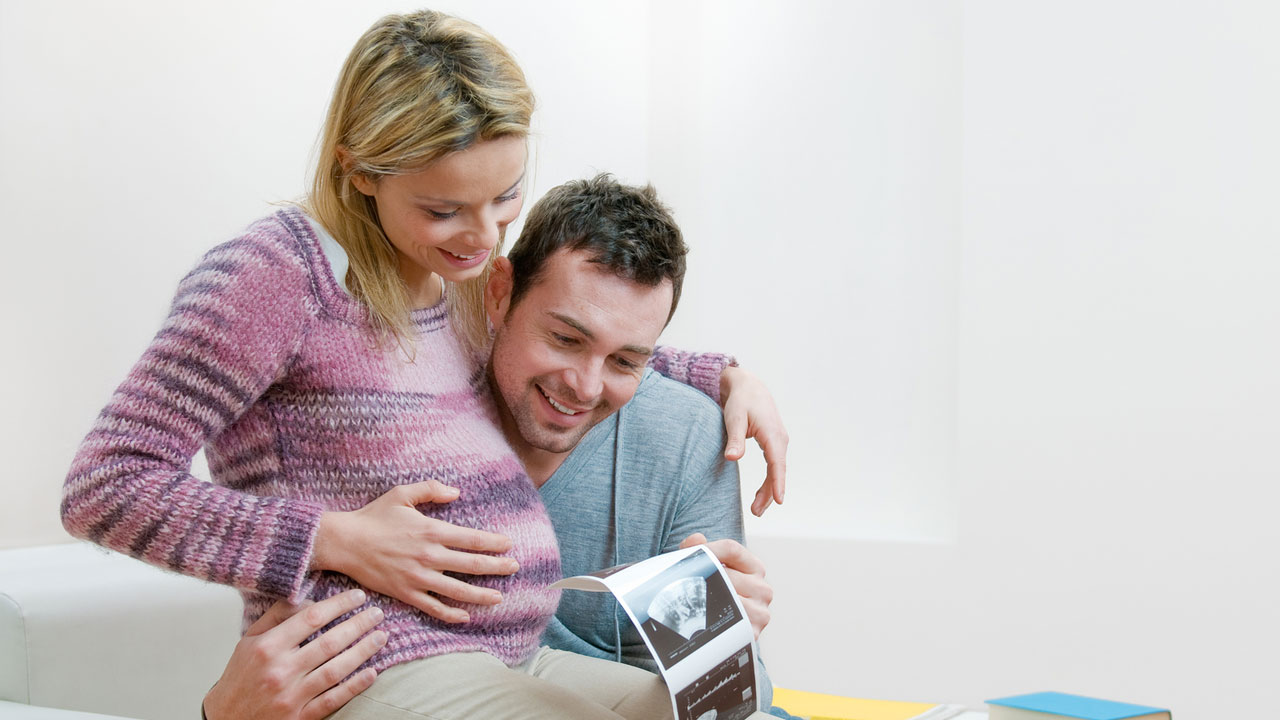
x,y
635,349
442,201
573,324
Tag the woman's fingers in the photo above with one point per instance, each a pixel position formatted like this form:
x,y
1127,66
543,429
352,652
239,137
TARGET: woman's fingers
x,y
431,605
750,412
775,481
465,538
460,591
392,548
444,557
735,431
421,493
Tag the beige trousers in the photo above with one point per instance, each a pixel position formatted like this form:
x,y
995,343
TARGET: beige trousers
x,y
553,685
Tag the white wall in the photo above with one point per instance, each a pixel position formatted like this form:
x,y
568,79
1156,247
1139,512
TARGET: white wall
x,y
1118,361
1116,467
1009,267
812,153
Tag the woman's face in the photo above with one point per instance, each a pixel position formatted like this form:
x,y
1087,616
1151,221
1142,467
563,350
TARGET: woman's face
x,y
446,220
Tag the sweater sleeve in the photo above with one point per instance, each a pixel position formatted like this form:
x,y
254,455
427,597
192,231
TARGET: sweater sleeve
x,y
235,323
701,371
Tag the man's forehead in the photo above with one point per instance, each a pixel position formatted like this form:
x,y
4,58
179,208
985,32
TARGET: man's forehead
x,y
573,290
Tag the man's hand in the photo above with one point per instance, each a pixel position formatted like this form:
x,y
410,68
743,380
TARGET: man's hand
x,y
390,547
269,677
746,572
749,411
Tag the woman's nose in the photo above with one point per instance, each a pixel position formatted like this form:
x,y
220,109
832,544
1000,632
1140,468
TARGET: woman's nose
x,y
486,231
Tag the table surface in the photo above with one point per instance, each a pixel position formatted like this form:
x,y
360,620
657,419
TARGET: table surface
x,y
967,714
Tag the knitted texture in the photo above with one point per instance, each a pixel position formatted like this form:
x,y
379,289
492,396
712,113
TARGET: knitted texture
x,y
268,364
698,370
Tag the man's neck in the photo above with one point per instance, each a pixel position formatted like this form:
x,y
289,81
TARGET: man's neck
x,y
539,464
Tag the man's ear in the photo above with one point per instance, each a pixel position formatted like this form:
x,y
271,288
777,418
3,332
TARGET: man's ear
x,y
497,292
362,182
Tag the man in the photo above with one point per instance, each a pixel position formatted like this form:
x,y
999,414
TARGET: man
x,y
629,463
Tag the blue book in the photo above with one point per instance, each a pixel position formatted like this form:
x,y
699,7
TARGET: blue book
x,y
1056,706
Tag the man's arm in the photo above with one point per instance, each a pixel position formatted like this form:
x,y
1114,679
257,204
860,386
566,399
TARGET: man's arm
x,y
271,677
710,506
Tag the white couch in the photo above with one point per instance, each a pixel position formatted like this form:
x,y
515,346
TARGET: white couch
x,y
85,633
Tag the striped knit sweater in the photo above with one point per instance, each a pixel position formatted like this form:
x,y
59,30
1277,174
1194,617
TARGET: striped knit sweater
x,y
267,363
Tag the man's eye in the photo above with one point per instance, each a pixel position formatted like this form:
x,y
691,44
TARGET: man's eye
x,y
563,339
625,364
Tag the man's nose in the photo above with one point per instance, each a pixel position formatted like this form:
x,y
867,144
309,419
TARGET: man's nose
x,y
587,381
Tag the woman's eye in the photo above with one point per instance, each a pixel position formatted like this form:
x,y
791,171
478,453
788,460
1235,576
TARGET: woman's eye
x,y
509,196
441,215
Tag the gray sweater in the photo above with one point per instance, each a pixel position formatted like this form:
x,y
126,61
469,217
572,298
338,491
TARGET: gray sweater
x,y
636,485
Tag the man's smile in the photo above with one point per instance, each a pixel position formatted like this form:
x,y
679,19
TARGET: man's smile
x,y
559,407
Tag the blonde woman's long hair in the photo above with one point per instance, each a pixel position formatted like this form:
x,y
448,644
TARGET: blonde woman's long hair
x,y
415,88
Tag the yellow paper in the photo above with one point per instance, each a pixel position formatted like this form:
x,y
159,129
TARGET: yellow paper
x,y
817,706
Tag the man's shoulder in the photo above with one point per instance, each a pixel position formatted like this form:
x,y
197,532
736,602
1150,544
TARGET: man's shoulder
x,y
660,402
658,390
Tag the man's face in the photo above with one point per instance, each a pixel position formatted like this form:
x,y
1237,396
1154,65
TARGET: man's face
x,y
572,350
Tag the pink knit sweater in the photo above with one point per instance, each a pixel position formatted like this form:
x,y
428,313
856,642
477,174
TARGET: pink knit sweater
x,y
268,364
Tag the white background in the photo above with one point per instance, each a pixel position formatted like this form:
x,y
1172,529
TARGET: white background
x,y
1010,267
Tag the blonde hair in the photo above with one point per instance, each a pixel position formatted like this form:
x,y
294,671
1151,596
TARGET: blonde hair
x,y
415,88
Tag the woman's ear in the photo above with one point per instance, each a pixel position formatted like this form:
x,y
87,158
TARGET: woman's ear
x,y
497,291
362,182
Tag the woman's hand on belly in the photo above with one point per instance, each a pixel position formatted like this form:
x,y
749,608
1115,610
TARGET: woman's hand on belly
x,y
390,547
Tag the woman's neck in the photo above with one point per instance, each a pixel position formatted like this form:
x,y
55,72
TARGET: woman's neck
x,y
425,287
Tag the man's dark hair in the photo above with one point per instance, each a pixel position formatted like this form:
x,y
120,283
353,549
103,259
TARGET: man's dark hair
x,y
624,229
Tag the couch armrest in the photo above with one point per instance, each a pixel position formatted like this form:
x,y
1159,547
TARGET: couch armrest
x,y
87,629
19,711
